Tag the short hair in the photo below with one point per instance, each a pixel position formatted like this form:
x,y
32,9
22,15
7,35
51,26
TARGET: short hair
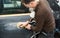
x,y
26,1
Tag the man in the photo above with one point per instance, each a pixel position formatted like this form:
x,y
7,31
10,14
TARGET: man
x,y
43,16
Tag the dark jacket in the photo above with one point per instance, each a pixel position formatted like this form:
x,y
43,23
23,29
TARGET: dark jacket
x,y
44,17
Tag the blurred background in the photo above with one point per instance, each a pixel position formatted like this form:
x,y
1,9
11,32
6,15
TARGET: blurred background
x,y
16,7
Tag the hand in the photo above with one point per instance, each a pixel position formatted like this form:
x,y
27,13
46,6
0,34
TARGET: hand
x,y
28,27
22,24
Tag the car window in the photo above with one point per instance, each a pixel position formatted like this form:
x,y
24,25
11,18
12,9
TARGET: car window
x,y
12,7
11,3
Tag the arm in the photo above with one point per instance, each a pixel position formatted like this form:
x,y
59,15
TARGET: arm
x,y
39,23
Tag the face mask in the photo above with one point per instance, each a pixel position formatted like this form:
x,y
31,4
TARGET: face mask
x,y
32,15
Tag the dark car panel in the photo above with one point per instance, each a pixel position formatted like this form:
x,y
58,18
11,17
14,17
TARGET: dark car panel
x,y
8,28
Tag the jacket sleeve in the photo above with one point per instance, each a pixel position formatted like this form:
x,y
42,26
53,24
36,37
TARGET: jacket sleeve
x,y
40,15
39,23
